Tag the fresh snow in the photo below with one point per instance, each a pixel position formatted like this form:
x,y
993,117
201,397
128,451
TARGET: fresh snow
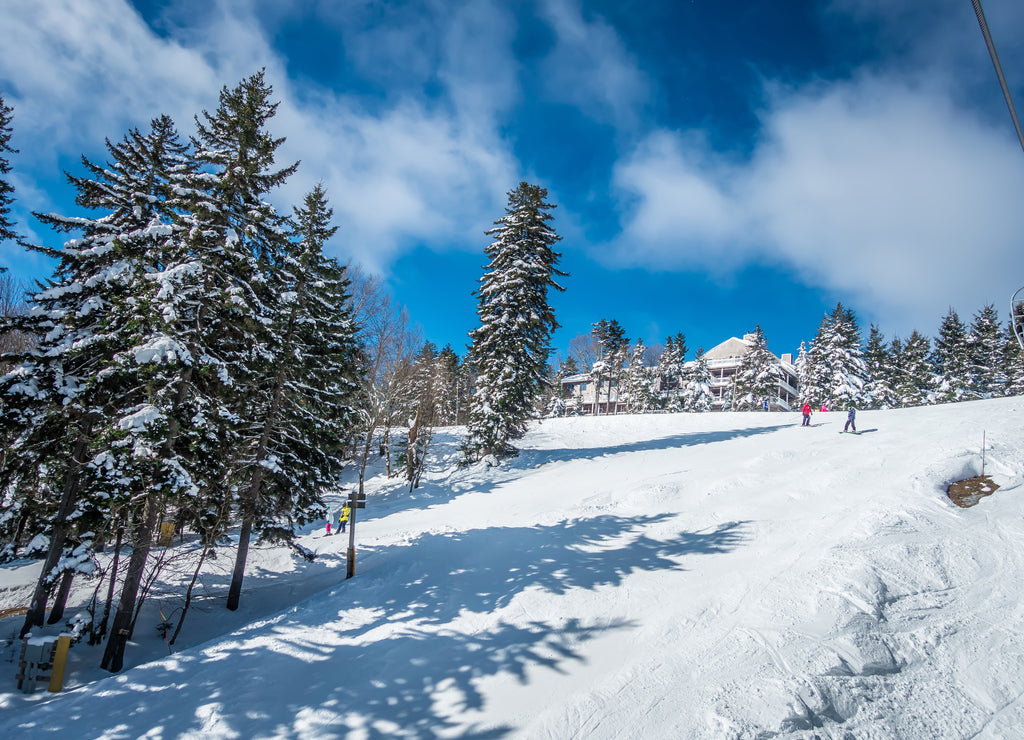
x,y
681,575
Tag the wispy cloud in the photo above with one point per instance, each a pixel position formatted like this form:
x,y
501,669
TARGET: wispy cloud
x,y
590,66
885,194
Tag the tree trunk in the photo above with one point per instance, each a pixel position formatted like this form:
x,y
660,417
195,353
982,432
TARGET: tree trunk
x,y
366,454
113,656
98,635
421,460
235,592
410,448
37,607
61,600
20,532
188,595
145,589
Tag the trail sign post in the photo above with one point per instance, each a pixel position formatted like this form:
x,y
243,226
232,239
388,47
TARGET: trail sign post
x,y
355,501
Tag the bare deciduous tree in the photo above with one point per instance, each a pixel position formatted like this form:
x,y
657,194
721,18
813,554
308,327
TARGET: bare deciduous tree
x,y
12,303
389,342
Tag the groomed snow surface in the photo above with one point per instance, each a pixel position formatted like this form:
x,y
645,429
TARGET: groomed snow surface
x,y
669,576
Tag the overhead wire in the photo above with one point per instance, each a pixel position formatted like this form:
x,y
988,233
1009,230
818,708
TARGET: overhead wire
x,y
980,13
1017,299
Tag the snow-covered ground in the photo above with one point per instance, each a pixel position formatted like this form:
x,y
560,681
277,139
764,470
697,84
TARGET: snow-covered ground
x,y
712,575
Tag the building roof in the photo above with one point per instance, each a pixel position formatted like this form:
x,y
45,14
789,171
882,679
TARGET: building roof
x,y
735,348
580,378
731,347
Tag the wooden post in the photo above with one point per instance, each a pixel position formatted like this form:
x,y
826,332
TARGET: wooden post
x,y
350,556
355,501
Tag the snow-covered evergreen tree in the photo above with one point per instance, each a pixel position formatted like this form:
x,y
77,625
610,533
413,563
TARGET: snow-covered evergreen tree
x,y
805,377
814,387
6,188
425,399
607,370
879,389
510,347
312,391
697,396
98,398
446,386
1013,363
984,343
757,377
952,361
672,373
637,385
915,372
561,401
843,373
242,242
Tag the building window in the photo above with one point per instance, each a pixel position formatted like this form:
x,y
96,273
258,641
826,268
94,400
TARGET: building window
x,y
583,386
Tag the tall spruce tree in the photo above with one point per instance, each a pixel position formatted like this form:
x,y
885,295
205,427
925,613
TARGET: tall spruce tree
x,y
1013,363
697,396
446,382
672,372
310,393
510,347
879,390
6,188
915,372
95,398
757,377
245,246
843,373
808,392
613,355
984,342
637,384
818,378
951,359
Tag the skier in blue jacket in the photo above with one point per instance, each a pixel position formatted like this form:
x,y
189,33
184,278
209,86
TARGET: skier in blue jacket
x,y
850,416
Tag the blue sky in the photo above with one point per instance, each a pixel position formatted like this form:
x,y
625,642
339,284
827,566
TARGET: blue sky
x,y
715,164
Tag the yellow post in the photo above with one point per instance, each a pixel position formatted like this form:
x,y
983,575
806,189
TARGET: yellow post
x,y
166,533
60,661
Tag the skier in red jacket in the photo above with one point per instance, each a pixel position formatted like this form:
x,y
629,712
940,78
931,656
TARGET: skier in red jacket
x,y
807,414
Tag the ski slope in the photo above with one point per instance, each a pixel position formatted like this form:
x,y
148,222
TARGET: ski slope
x,y
708,576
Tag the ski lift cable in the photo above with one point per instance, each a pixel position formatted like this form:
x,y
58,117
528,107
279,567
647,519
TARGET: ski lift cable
x,y
999,68
1017,299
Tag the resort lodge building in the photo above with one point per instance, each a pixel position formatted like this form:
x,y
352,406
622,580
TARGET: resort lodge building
x,y
583,393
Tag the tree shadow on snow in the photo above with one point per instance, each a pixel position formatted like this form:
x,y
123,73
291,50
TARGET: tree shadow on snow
x,y
400,650
533,457
443,482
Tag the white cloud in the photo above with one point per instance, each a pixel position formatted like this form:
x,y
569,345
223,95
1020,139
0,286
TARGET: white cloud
x,y
883,194
590,67
414,170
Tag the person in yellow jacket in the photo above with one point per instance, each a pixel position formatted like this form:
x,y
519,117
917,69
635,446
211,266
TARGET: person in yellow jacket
x,y
343,517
